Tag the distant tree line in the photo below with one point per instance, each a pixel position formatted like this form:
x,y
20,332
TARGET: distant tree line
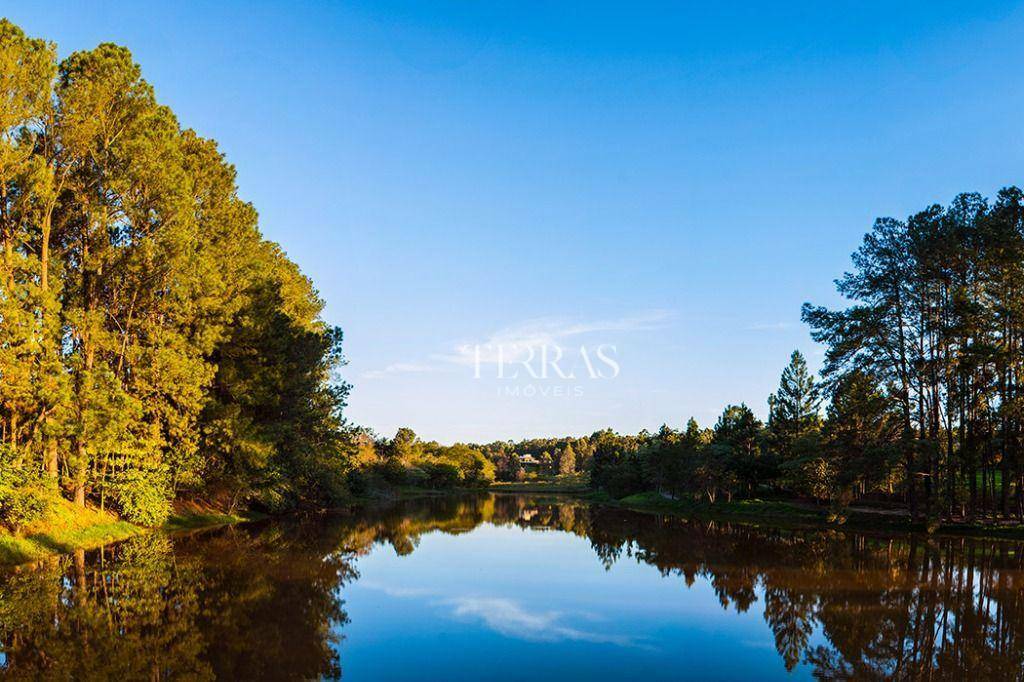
x,y
380,463
151,341
740,455
405,460
565,456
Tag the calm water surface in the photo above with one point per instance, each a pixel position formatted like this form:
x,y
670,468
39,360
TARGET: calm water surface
x,y
514,587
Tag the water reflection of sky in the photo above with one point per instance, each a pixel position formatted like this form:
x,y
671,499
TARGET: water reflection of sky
x,y
506,603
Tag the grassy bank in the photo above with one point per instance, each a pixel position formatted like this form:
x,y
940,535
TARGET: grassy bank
x,y
790,514
553,484
753,509
66,528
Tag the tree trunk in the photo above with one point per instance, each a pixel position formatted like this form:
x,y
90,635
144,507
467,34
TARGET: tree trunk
x,y
80,474
49,443
50,457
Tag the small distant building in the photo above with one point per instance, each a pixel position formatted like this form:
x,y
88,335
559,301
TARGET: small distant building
x,y
529,462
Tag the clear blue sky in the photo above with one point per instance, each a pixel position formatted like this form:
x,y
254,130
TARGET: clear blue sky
x,y
674,179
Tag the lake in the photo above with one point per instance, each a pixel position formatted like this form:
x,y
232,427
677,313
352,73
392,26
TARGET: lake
x,y
517,587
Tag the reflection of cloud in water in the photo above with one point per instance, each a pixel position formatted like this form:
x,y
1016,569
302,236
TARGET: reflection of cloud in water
x,y
508,618
400,592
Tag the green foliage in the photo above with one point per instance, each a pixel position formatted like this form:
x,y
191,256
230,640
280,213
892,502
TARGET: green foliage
x,y
738,437
616,466
142,495
405,460
567,461
24,495
441,474
934,322
404,447
506,455
793,413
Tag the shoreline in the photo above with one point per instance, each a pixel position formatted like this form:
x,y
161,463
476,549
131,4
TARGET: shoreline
x,y
100,528
787,514
539,487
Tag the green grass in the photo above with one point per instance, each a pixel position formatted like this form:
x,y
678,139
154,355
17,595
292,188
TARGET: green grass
x,y
550,484
753,508
65,528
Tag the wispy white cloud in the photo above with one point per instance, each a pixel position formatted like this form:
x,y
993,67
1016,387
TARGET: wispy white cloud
x,y
519,341
396,591
398,368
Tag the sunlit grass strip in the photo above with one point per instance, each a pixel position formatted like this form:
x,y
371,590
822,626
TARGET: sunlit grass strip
x,y
66,528
15,550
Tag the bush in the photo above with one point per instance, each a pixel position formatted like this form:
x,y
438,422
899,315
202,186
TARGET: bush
x,y
442,474
274,497
24,496
478,471
360,481
416,476
392,471
142,495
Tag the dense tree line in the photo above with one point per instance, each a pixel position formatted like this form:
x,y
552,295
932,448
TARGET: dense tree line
x,y
379,463
739,455
936,324
922,385
151,341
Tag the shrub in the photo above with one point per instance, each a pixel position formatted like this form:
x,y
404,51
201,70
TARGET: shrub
x,y
416,476
24,495
142,495
442,474
393,471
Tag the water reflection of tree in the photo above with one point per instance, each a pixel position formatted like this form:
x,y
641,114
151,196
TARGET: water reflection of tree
x,y
888,608
265,602
236,605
